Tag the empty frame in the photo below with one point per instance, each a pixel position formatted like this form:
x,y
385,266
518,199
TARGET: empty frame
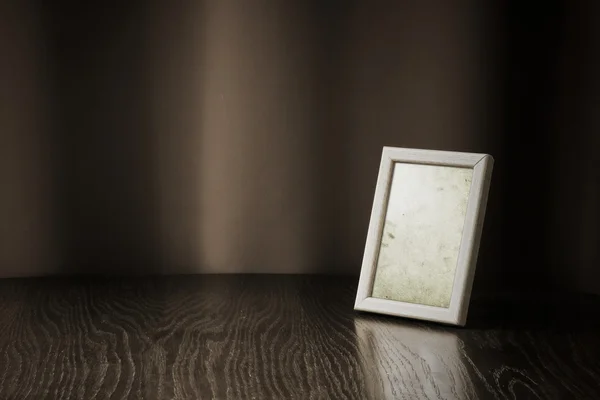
x,y
424,234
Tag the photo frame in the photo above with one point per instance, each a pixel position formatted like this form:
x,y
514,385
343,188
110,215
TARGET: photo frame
x,y
424,233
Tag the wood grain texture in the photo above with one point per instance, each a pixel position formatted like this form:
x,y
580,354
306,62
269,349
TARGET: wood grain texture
x,y
278,337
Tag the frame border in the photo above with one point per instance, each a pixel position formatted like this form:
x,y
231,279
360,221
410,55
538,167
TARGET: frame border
x,y
456,313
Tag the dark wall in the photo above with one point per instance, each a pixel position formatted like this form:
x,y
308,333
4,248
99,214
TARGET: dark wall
x,y
27,244
219,136
545,97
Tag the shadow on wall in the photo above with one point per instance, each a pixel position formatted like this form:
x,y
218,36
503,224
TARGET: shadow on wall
x,y
223,137
542,126
125,82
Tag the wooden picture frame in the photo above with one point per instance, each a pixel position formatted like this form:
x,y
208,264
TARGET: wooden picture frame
x,y
419,261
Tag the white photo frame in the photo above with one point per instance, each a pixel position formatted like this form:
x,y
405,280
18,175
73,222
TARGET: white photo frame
x,y
424,233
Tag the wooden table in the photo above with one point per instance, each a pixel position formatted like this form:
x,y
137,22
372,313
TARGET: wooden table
x,y
278,337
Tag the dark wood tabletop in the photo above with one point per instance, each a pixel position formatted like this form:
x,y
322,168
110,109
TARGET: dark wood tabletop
x,y
280,337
